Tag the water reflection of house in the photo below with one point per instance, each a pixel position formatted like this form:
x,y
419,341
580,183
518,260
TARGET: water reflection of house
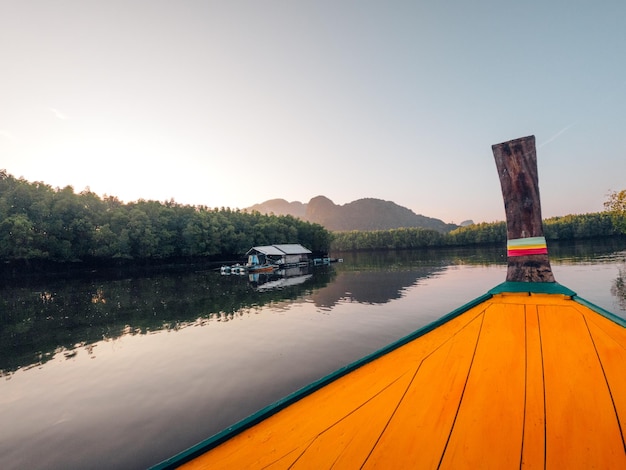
x,y
281,255
280,278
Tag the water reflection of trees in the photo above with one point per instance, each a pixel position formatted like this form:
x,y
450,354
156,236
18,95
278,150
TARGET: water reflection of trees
x,y
47,317
50,317
370,287
618,289
560,252
386,260
43,317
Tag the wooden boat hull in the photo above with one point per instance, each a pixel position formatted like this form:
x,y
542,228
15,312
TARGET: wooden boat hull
x,y
512,379
527,376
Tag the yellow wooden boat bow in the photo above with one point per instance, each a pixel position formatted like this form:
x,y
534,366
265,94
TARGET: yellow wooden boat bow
x,y
528,375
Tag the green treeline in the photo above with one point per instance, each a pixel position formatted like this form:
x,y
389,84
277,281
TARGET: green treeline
x,y
41,222
570,227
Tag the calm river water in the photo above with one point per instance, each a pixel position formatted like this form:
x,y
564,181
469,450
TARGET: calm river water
x,y
112,371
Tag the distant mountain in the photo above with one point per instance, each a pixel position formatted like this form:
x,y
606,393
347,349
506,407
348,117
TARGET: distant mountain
x,y
363,214
280,207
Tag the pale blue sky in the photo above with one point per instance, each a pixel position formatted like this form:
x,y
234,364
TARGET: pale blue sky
x,y
231,103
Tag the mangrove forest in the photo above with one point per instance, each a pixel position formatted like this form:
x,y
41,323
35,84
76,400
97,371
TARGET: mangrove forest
x,y
38,222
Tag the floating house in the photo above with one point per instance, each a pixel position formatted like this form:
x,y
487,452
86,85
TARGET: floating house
x,y
279,255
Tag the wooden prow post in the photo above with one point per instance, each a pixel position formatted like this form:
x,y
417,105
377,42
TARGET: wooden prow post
x,y
528,260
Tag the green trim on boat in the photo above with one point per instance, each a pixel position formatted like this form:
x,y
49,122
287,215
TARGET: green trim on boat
x,y
275,407
599,310
264,413
554,288
532,288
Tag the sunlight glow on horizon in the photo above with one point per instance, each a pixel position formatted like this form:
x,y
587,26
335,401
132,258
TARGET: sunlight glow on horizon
x,y
232,104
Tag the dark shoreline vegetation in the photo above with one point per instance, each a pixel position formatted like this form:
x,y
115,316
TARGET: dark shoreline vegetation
x,y
39,318
45,228
46,316
569,227
38,222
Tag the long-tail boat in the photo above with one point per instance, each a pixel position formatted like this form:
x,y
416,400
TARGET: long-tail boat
x,y
529,375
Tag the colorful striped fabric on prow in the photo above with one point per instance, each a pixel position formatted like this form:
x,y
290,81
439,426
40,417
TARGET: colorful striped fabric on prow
x,y
527,246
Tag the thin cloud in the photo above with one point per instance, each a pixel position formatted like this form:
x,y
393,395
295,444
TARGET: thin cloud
x,y
557,135
5,134
58,114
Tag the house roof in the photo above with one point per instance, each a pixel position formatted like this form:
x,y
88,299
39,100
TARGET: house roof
x,y
285,249
292,249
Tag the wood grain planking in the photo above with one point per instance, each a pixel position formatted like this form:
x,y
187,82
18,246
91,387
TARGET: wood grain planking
x,y
582,430
488,430
418,432
533,450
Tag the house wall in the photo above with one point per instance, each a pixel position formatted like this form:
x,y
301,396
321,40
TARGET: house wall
x,y
291,259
